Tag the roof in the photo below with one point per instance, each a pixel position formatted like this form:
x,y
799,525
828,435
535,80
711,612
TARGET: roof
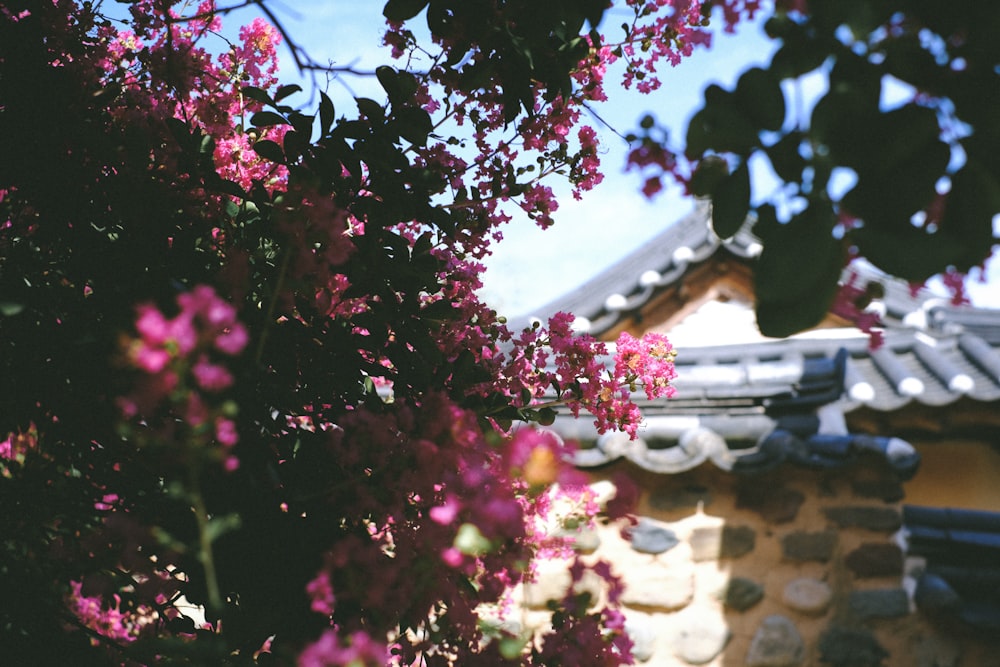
x,y
934,354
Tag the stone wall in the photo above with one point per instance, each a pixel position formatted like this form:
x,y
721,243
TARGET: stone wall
x,y
794,567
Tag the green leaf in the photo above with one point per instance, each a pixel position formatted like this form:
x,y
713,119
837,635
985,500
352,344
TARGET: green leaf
x,y
267,119
403,10
511,648
731,202
9,308
269,150
546,417
759,96
470,541
285,91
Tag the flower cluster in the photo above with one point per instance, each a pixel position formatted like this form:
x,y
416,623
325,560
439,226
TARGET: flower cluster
x,y
182,361
360,650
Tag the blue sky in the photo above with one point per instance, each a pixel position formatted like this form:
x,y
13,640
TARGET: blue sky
x,y
531,266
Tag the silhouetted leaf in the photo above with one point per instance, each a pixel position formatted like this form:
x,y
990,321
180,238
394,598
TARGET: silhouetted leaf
x,y
285,91
414,124
267,119
269,150
796,275
759,96
403,10
731,202
326,112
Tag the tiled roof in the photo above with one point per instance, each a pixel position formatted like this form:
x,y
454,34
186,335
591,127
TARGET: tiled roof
x,y
933,354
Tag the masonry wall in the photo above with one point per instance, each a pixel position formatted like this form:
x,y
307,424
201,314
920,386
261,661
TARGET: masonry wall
x,y
793,567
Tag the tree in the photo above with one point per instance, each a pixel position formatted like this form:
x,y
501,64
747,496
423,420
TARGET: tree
x,y
248,373
909,181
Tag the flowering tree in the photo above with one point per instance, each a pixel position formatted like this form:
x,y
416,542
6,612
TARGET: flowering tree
x,y
254,412
895,161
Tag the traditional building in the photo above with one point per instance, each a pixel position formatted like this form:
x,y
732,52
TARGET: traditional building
x,y
805,501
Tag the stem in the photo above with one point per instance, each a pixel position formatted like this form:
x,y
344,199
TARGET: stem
x,y
205,546
269,318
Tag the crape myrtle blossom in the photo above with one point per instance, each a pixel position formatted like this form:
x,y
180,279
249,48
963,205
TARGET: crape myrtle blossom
x,y
238,443
183,368
557,359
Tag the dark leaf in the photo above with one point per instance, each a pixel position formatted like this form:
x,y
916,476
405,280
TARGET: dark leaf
x,y
387,79
798,56
720,126
403,10
370,109
799,257
285,91
269,150
296,144
267,119
302,123
731,202
909,253
326,112
414,124
257,94
759,96
786,158
711,171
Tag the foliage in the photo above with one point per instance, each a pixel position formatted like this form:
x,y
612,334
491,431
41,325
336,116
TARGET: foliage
x,y
254,412
910,181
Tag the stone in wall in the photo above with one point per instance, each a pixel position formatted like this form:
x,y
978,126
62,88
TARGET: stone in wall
x,y
880,603
721,541
804,546
741,594
869,517
774,504
874,559
699,635
553,581
850,647
643,635
934,651
777,643
668,499
885,488
648,538
808,596
658,585
584,540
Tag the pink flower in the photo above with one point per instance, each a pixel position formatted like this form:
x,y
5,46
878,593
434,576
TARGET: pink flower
x,y
151,360
320,591
211,377
225,432
360,650
232,340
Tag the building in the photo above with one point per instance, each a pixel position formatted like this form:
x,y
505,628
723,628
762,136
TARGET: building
x,y
804,501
